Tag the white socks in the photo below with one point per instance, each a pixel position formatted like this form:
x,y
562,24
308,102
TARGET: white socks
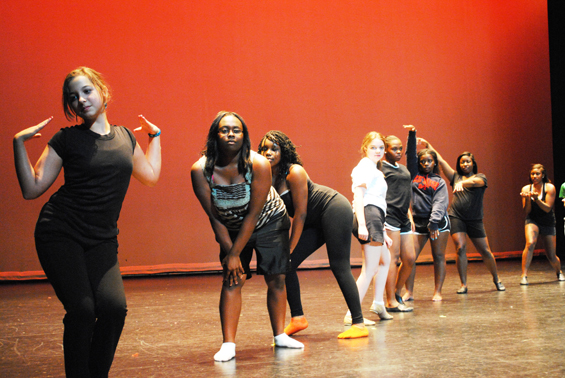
x,y
284,341
226,353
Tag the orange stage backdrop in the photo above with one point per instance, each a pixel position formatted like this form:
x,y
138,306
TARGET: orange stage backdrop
x,y
470,75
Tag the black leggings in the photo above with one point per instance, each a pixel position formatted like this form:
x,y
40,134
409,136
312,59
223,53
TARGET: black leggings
x,y
333,229
87,280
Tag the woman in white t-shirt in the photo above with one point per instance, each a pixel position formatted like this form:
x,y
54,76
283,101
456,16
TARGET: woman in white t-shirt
x,y
369,205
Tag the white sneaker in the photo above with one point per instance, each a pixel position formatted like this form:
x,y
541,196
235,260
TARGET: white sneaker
x,y
347,321
524,280
560,276
380,310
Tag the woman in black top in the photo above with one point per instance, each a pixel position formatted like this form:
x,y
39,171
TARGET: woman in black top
x,y
538,199
398,224
320,216
76,234
466,214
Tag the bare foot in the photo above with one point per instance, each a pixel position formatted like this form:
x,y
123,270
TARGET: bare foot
x,y
407,297
437,297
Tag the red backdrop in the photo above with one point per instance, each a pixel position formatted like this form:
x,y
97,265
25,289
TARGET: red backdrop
x,y
470,75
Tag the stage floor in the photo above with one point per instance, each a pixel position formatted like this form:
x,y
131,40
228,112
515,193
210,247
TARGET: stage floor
x,y
173,329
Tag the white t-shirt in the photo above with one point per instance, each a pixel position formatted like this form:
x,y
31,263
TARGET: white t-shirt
x,y
367,173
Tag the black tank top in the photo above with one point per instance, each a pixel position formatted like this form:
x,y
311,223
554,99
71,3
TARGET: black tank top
x,y
319,197
537,215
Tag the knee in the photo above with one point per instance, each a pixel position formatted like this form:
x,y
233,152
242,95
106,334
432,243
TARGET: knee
x,y
461,250
385,258
83,313
530,246
116,310
486,253
439,258
409,261
276,283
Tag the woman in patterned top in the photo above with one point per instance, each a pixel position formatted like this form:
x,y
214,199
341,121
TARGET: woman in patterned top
x,y
233,185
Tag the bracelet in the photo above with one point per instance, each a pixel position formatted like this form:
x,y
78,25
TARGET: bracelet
x,y
155,135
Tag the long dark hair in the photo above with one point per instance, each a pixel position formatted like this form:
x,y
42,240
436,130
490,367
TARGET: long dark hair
x,y
544,177
432,153
211,149
472,157
289,156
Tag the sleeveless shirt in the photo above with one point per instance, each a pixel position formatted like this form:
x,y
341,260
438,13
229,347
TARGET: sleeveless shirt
x,y
232,201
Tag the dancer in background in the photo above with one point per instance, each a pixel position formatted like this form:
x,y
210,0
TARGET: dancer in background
x,y
233,185
537,201
562,196
369,206
320,216
466,213
79,253
429,211
398,224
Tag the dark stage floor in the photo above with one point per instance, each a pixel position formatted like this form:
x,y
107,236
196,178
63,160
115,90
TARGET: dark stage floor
x,y
173,330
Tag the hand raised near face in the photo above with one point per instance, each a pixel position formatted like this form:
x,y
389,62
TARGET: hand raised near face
x,y
146,126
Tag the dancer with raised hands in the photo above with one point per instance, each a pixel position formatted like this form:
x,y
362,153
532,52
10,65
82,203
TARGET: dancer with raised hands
x,y
321,216
538,199
466,213
76,234
429,211
233,185
369,206
398,224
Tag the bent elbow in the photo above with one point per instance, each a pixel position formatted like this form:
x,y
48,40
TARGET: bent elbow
x,y
29,196
151,183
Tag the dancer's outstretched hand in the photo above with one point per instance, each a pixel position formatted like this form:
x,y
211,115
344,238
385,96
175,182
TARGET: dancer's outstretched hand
x,y
32,132
146,126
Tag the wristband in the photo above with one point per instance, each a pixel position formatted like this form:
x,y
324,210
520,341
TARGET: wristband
x,y
155,135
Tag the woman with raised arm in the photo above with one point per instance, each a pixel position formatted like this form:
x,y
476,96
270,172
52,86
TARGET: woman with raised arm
x,y
320,216
466,213
76,234
369,207
429,211
398,224
537,200
233,185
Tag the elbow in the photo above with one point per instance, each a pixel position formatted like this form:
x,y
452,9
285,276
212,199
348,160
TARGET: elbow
x,y
29,195
151,183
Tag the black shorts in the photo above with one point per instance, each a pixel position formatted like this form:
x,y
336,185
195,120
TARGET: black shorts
x,y
475,229
543,230
421,225
374,219
272,247
404,228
